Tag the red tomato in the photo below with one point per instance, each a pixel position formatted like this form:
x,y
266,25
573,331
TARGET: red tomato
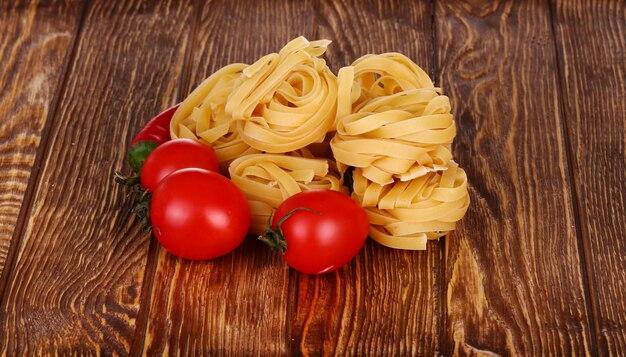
x,y
173,156
199,214
157,129
323,230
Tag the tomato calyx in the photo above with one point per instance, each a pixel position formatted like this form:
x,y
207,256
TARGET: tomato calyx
x,y
274,237
130,180
138,153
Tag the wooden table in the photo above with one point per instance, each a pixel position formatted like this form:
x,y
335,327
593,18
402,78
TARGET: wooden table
x,y
536,267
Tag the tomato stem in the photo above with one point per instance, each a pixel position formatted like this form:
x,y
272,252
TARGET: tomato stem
x,y
143,197
122,179
274,237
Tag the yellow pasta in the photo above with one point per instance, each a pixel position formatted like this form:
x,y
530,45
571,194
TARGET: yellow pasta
x,y
396,129
201,116
386,74
287,124
393,131
405,214
268,179
287,100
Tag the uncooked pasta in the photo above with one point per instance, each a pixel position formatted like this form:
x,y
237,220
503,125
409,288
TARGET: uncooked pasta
x,y
268,179
287,100
201,116
406,214
287,124
392,121
396,129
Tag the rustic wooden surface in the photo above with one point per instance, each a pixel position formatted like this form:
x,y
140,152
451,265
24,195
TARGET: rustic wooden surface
x,y
593,88
536,267
506,280
35,53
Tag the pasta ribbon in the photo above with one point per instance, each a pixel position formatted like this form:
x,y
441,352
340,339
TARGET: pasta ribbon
x,y
287,100
268,179
403,135
406,214
201,116
387,74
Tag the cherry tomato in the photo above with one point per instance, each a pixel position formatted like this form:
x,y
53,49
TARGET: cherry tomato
x,y
199,214
175,155
322,229
157,129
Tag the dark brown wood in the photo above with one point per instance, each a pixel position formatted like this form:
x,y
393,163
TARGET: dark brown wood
x,y
79,266
537,266
35,46
591,39
386,301
238,303
515,282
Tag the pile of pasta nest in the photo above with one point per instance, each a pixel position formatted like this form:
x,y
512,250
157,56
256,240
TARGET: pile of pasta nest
x,y
287,124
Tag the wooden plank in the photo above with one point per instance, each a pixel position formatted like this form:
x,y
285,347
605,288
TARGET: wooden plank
x,y
591,40
514,275
384,302
34,47
237,303
79,267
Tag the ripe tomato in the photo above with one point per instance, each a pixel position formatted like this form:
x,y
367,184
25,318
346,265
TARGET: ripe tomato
x,y
173,156
157,129
322,229
199,214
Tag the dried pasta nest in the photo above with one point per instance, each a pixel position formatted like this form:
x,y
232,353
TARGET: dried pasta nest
x,y
268,179
395,128
406,214
287,100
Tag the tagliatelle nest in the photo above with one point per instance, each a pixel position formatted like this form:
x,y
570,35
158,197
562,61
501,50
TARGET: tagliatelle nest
x,y
268,179
287,100
406,214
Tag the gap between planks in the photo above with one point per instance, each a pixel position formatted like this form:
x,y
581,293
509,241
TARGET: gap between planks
x,y
442,310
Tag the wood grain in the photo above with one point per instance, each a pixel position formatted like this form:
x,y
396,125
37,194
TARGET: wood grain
x,y
238,303
77,277
537,266
385,301
591,39
514,274
34,47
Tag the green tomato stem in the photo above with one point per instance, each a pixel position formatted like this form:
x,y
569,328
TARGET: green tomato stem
x,y
274,237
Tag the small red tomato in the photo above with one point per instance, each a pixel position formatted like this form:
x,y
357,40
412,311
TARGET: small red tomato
x,y
173,156
199,214
318,231
157,129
